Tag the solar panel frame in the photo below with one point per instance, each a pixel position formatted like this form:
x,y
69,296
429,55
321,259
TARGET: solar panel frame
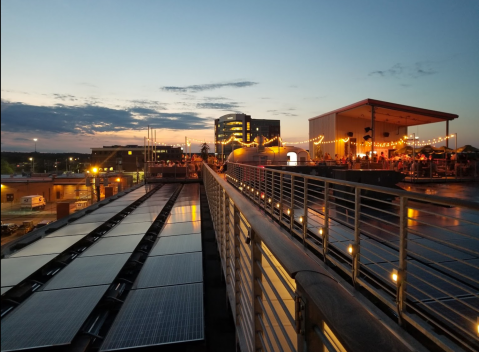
x,y
167,270
75,229
181,228
15,270
47,245
158,316
5,289
49,318
113,245
125,229
176,245
88,271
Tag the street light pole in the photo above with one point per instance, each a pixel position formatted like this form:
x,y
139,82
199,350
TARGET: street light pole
x,y
35,140
33,165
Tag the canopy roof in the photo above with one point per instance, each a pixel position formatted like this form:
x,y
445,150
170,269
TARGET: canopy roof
x,y
401,115
467,149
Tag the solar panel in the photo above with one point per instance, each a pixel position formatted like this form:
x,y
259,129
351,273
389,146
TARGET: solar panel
x,y
15,270
188,197
75,229
93,218
89,271
169,270
50,318
113,245
185,209
158,202
48,246
129,229
177,244
158,316
111,208
148,209
145,217
183,217
187,203
181,228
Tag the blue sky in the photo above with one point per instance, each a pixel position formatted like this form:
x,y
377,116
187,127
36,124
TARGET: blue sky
x,y
82,74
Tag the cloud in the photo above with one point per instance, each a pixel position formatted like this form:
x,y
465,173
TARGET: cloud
x,y
277,112
91,119
204,87
417,70
65,97
217,106
152,104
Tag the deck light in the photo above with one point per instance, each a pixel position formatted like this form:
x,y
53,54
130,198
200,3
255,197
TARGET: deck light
x,y
262,195
395,275
320,231
300,219
257,193
353,249
277,205
269,200
289,211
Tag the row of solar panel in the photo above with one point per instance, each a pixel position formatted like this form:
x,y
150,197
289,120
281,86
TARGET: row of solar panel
x,y
95,269
82,282
165,305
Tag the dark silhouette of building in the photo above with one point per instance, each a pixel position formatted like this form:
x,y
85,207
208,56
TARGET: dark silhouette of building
x,y
130,158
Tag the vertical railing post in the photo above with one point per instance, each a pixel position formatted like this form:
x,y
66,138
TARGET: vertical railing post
x,y
257,293
357,248
280,209
305,210
326,221
236,253
226,203
291,215
271,203
265,193
402,272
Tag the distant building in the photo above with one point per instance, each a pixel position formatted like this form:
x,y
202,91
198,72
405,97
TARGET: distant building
x,y
368,127
244,129
266,128
130,158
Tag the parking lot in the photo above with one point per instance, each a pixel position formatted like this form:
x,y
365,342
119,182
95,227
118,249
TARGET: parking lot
x,y
11,213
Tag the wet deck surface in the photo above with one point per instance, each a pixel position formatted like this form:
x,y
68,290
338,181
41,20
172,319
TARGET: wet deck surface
x,y
467,191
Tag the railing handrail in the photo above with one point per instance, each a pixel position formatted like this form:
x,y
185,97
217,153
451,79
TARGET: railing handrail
x,y
453,202
349,315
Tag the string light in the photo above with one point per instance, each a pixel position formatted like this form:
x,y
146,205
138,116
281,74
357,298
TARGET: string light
x,y
317,141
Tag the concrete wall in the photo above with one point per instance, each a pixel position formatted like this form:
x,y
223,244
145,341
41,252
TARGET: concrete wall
x,y
22,189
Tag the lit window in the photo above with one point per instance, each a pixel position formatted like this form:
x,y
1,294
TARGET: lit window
x,y
247,126
247,137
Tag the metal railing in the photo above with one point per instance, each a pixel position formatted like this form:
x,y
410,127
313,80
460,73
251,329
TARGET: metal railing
x,y
282,299
417,254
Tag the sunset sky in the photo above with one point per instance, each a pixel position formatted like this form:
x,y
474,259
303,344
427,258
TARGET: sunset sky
x,y
82,74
